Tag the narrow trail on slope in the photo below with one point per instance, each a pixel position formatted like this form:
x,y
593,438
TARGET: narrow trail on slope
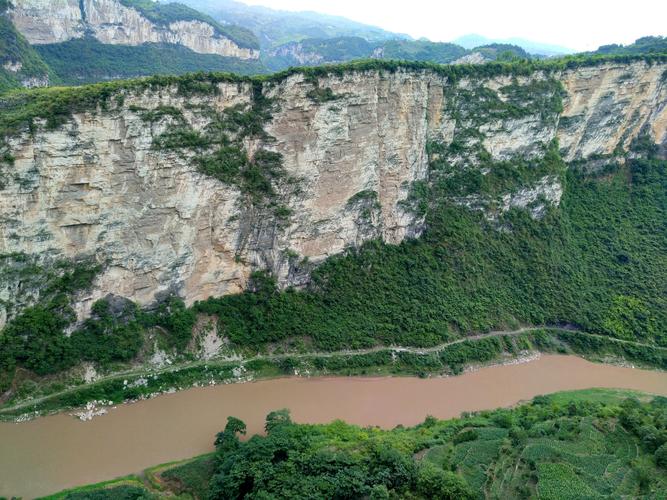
x,y
325,354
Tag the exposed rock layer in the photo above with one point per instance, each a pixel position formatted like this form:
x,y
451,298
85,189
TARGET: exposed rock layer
x,y
97,186
109,21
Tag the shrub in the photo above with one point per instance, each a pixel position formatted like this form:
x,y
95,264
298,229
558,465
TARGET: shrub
x,y
661,456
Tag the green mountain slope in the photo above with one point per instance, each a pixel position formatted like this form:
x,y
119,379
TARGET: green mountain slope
x,y
315,51
87,61
644,45
598,261
275,27
19,62
418,50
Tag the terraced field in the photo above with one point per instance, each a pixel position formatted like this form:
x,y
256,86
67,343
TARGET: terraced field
x,y
567,457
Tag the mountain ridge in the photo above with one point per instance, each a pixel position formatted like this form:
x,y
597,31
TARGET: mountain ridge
x,y
473,40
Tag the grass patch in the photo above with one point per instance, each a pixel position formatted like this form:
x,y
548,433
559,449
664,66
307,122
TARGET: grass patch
x,y
192,477
124,488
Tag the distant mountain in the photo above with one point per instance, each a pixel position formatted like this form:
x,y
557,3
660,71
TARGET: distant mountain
x,y
421,50
316,51
46,42
644,45
473,40
73,42
501,52
277,27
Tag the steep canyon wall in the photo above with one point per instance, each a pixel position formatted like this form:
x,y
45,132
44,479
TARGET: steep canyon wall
x,y
352,144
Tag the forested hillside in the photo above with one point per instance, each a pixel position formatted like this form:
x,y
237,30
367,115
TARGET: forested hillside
x,y
644,45
20,64
87,61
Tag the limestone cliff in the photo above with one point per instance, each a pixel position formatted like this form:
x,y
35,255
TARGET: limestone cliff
x,y
114,22
352,144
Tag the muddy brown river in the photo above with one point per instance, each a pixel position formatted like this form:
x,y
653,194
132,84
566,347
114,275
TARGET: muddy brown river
x,y
51,453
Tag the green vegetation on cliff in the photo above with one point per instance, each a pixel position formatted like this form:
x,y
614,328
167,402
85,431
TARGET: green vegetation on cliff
x,y
167,13
19,62
19,109
35,338
587,444
597,261
219,152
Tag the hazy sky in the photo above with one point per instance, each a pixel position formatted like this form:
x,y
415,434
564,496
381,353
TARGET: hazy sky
x,y
579,24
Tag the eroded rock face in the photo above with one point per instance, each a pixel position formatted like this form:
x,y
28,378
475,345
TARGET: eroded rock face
x,y
609,106
47,21
295,51
13,66
98,185
474,58
109,21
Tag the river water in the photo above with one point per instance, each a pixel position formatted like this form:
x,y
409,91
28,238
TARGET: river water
x,y
56,452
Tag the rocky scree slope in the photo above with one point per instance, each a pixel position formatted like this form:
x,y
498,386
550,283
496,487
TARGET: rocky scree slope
x,y
186,186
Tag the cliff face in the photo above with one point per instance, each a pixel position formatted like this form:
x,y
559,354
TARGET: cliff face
x,y
98,185
46,21
296,52
608,107
111,22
